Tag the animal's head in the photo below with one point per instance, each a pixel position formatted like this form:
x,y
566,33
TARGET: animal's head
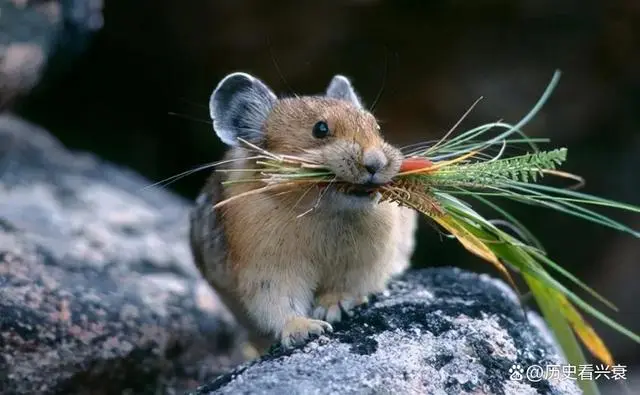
x,y
333,129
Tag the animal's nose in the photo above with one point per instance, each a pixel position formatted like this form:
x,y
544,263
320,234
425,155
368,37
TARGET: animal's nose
x,y
374,160
372,168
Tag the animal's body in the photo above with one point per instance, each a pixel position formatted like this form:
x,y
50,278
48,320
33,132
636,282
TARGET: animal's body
x,y
285,275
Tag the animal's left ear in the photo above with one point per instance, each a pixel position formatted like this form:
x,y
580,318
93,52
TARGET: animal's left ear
x,y
340,88
239,107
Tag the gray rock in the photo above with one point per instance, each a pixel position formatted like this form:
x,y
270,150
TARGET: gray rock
x,y
98,291
435,331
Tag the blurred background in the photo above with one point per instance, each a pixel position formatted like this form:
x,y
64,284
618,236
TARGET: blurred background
x,y
130,82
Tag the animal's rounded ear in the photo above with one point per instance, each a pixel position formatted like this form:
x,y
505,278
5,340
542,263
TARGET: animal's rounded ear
x,y
239,106
340,88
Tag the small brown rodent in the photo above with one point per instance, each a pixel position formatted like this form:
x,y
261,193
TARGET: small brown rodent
x,y
285,275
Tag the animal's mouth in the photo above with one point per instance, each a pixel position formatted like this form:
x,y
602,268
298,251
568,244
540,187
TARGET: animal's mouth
x,y
360,190
359,193
356,190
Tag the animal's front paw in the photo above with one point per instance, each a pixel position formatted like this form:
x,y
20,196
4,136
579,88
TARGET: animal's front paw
x,y
298,329
329,307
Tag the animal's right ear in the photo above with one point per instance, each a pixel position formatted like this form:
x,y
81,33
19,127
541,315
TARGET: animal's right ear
x,y
340,88
239,106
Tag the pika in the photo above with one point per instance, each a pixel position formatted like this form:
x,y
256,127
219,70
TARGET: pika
x,y
287,276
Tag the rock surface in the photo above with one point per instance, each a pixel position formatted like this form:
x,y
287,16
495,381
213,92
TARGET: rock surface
x,y
436,331
98,292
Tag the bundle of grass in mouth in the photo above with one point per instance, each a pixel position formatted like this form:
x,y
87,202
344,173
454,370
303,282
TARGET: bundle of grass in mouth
x,y
440,180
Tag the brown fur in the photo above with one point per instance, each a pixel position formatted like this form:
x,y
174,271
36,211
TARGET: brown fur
x,y
279,268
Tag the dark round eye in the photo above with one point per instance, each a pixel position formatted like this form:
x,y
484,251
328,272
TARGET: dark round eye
x,y
320,130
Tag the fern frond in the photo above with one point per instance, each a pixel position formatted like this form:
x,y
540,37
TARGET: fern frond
x,y
523,168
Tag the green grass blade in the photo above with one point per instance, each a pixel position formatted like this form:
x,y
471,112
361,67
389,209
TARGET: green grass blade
x,y
507,248
511,129
544,259
535,251
532,197
562,332
582,197
577,211
527,233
